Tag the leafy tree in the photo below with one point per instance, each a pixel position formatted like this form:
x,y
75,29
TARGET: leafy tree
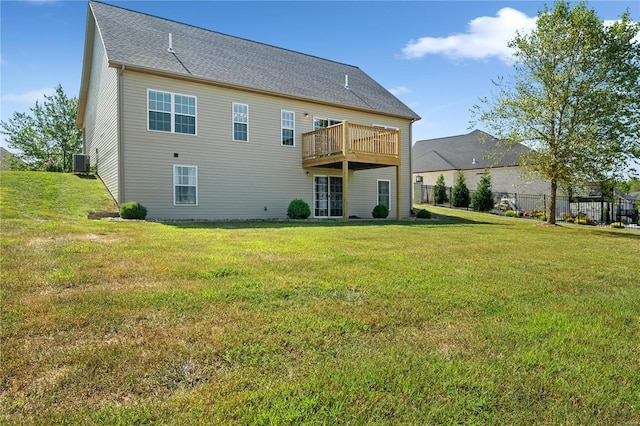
x,y
632,185
574,98
440,191
482,199
48,137
460,192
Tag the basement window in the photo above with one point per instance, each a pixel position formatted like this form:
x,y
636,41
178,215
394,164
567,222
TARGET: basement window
x,y
185,185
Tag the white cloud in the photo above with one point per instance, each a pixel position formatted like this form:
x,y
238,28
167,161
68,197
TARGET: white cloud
x,y
28,98
400,90
486,37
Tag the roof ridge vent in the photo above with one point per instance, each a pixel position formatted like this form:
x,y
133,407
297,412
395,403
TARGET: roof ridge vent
x,y
170,49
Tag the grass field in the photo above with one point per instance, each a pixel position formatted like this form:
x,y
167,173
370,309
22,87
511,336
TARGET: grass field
x,y
465,319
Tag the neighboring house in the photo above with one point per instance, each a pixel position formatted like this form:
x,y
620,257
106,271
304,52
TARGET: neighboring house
x,y
595,205
472,154
7,159
195,124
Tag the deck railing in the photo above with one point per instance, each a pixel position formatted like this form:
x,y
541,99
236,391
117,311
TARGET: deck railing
x,y
349,138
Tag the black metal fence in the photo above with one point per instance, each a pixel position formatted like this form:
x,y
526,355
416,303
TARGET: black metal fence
x,y
591,210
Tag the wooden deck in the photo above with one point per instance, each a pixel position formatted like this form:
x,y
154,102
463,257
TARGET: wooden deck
x,y
350,146
362,147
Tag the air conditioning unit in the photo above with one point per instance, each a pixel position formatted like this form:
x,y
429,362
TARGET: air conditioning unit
x,y
81,163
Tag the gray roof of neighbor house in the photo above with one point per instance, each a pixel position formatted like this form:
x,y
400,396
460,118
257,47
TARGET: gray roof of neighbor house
x,y
472,151
5,158
140,41
633,196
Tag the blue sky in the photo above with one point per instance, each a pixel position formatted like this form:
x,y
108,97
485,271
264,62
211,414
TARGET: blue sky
x,y
438,57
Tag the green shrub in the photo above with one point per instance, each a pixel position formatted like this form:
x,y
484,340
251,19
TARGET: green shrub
x,y
510,213
460,192
298,209
133,210
617,225
482,199
566,216
537,213
423,214
380,211
440,191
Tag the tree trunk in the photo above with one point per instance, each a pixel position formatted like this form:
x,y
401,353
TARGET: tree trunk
x,y
551,214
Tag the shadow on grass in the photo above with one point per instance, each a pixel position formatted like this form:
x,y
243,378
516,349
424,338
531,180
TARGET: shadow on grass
x,y
86,176
437,220
630,234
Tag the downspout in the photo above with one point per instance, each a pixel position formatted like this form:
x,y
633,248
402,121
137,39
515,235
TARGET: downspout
x,y
120,148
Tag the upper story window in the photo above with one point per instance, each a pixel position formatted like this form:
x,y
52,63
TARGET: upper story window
x,y
323,123
240,122
169,112
288,127
384,126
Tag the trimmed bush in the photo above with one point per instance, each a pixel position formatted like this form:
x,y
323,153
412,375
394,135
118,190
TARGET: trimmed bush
x,y
566,216
423,214
618,225
460,192
298,209
380,211
440,191
482,199
133,210
510,213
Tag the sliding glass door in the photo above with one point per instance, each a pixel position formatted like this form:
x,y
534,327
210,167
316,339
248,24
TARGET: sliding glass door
x,y
327,196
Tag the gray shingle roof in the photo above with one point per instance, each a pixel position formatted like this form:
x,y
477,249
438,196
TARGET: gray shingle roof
x,y
459,153
141,40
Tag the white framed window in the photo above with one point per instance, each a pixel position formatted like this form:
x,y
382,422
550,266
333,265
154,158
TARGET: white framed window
x,y
323,123
384,126
170,112
288,119
240,122
384,192
185,185
159,106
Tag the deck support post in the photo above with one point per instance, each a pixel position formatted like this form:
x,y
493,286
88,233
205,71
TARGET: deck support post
x,y
345,190
398,194
345,172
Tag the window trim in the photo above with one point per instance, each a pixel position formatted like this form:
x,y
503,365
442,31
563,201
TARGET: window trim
x,y
328,120
173,113
378,191
328,200
233,121
282,111
175,166
384,126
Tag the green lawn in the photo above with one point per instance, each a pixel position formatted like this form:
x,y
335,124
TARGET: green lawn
x,y
465,319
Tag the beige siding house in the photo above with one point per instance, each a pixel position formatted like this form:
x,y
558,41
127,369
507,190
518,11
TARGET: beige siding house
x,y
472,154
195,124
